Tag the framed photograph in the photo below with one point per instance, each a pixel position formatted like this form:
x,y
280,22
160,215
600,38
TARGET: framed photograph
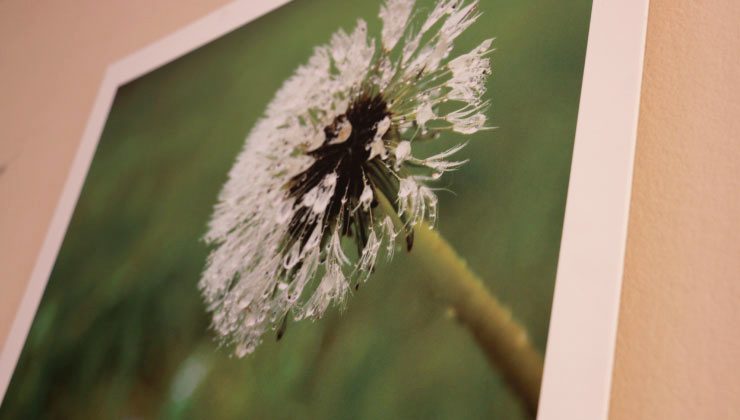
x,y
331,209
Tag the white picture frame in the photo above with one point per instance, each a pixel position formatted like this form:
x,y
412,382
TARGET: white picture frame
x,y
581,340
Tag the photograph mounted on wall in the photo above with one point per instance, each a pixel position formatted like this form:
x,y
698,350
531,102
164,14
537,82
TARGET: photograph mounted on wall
x,y
338,210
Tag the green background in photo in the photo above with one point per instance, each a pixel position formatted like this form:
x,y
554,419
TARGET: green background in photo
x,y
121,330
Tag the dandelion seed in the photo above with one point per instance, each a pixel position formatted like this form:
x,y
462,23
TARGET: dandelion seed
x,y
336,138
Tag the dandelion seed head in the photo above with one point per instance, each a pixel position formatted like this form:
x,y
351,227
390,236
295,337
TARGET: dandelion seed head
x,y
298,222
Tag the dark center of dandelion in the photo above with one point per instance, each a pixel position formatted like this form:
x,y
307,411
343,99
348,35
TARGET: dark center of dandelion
x,y
345,152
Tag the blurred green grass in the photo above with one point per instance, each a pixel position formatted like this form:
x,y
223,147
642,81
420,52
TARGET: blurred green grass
x,y
121,330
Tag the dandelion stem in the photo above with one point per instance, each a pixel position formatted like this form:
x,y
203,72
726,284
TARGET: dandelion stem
x,y
500,336
504,341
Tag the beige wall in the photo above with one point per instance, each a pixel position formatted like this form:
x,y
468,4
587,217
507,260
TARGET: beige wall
x,y
678,351
678,346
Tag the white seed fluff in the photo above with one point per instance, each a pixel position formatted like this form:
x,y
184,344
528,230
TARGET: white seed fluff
x,y
289,210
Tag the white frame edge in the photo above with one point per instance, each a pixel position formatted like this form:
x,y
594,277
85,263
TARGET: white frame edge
x,y
580,348
583,324
198,33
